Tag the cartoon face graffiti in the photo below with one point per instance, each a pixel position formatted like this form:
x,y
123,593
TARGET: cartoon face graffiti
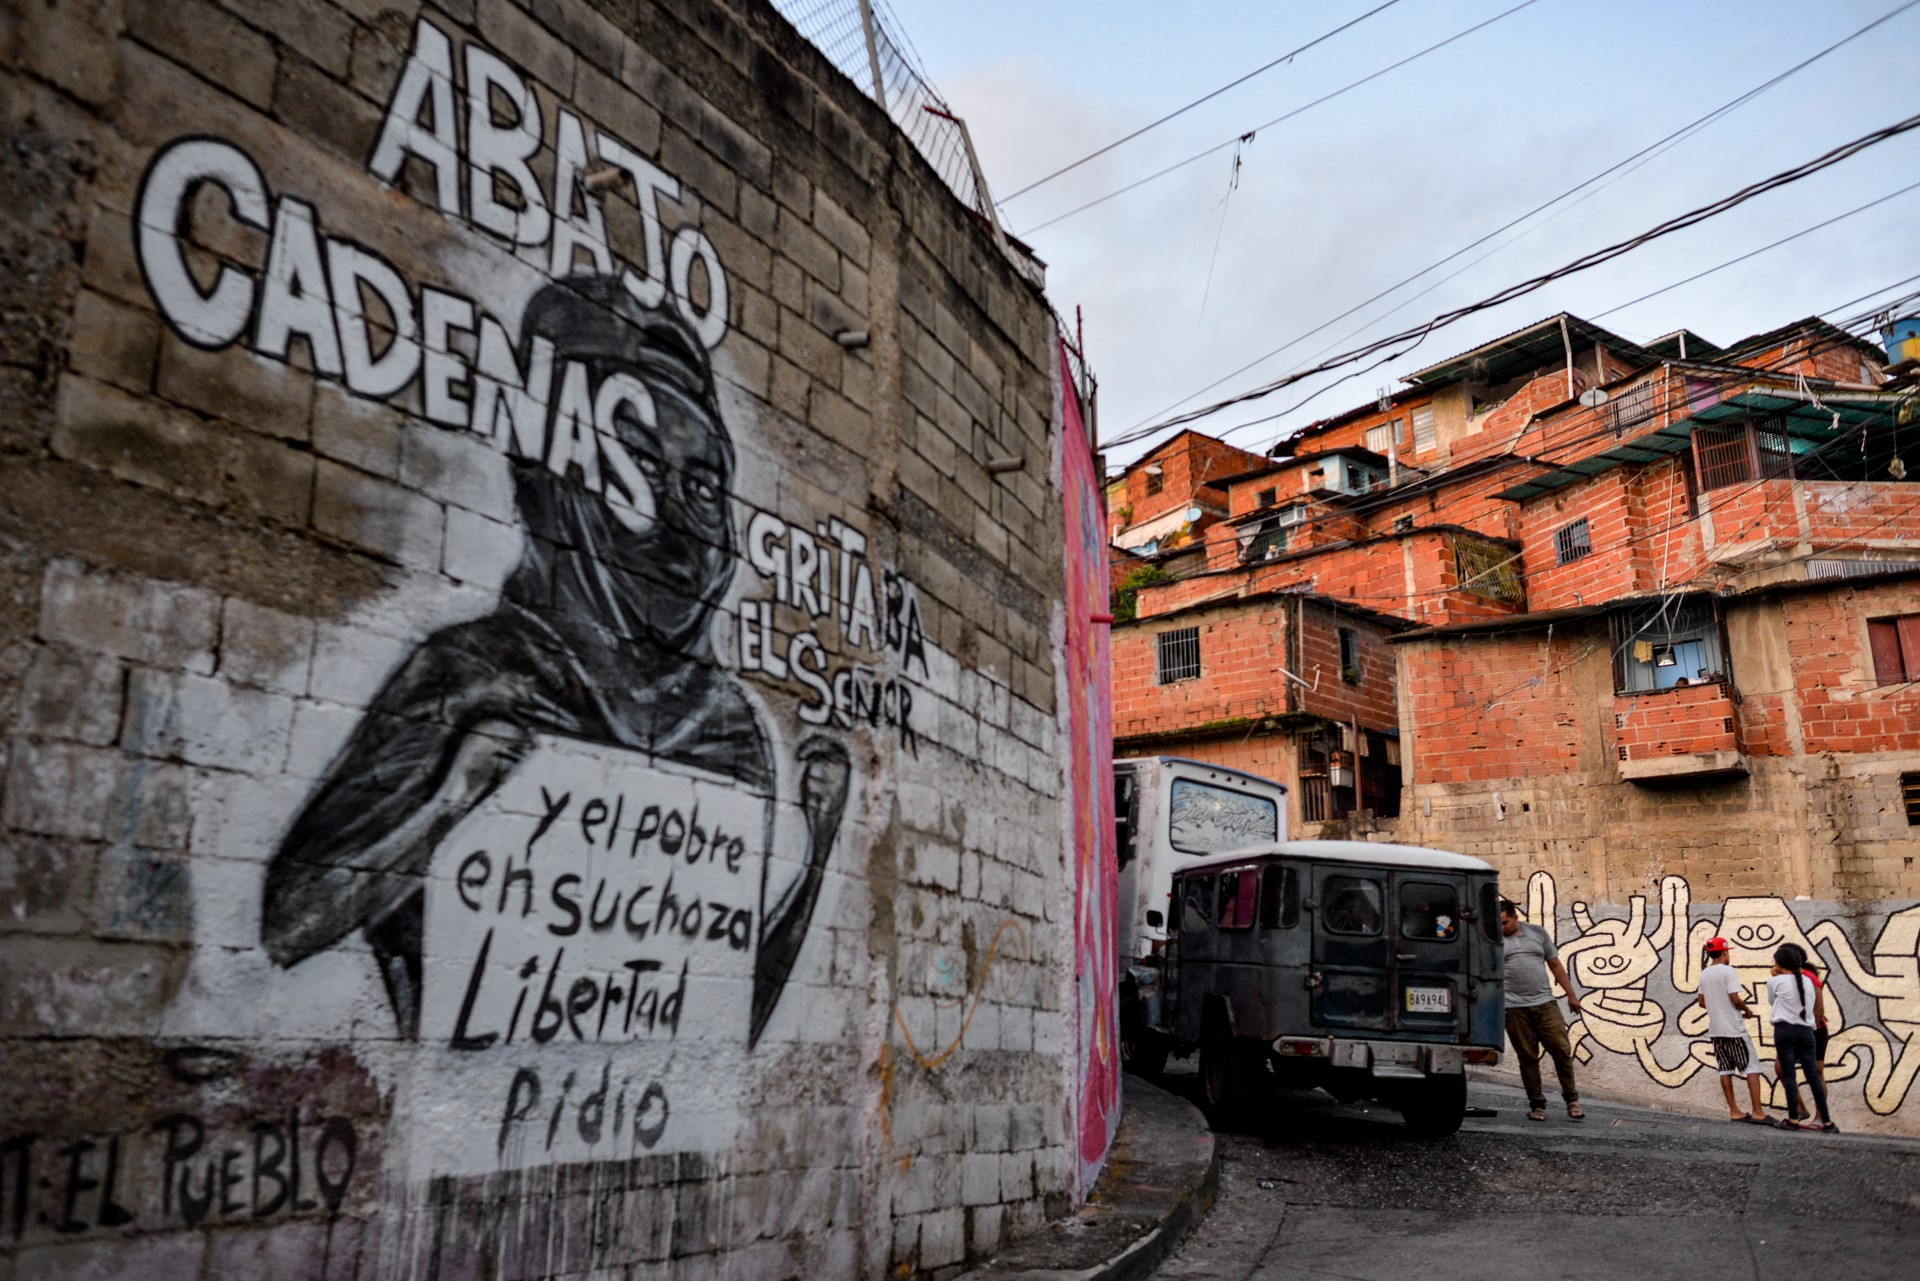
x,y
600,638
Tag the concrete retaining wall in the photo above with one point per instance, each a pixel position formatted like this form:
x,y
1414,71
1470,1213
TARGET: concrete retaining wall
x,y
529,731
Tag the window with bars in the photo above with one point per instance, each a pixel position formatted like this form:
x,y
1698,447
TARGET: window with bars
x,y
1265,498
1665,646
1266,540
1571,542
1383,438
1910,796
1156,481
1424,436
1177,655
1745,452
1487,570
1631,409
1895,643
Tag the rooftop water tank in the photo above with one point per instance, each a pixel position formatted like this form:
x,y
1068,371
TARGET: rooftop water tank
x,y
1903,340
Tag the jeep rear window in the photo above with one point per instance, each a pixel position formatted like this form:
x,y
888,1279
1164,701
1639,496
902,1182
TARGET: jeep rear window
x,y
1239,893
1429,911
1353,906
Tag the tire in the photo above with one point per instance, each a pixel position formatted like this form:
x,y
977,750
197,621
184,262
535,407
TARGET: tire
x,y
1143,1051
1229,1076
1436,1108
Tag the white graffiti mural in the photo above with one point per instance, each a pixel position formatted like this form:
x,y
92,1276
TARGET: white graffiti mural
x,y
1638,983
582,836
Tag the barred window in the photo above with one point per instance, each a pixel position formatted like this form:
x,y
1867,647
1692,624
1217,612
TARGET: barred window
x,y
1264,498
1424,437
1664,646
1156,481
1381,439
1910,795
1631,409
1349,656
1571,542
1177,655
1487,570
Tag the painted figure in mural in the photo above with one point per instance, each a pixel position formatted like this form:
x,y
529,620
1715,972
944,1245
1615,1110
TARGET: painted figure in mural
x,y
601,635
1723,996
1790,1003
1534,1021
1613,960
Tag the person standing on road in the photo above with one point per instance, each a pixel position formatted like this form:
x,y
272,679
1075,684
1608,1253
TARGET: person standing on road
x,y
1723,997
1790,996
1533,1017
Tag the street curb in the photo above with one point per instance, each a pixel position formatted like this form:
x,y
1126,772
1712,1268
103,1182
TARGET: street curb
x,y
1159,1182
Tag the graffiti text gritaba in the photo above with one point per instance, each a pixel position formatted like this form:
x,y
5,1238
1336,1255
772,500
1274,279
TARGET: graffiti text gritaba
x,y
365,325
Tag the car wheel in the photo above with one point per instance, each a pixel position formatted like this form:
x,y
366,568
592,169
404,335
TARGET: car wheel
x,y
1143,1051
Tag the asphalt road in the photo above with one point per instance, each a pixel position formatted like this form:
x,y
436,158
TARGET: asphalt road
x,y
1325,1191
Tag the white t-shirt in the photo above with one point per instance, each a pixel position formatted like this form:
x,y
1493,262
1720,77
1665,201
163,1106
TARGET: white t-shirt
x,y
1790,999
1718,983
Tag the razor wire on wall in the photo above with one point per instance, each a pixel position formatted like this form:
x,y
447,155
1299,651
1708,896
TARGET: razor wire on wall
x,y
890,71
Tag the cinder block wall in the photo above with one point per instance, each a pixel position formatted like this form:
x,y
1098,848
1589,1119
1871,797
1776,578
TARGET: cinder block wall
x,y
529,746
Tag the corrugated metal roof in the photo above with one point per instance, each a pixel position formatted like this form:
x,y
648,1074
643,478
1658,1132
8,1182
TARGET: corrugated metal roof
x,y
1527,349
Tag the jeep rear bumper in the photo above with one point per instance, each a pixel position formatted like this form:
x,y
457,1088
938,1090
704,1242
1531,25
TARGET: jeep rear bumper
x,y
1386,1058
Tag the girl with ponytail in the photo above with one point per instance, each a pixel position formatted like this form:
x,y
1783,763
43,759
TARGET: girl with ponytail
x,y
1790,998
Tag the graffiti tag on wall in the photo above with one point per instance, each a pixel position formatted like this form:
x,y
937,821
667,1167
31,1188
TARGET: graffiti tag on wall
x,y
1638,984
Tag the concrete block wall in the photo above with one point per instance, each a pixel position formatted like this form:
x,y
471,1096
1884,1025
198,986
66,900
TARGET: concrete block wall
x,y
528,748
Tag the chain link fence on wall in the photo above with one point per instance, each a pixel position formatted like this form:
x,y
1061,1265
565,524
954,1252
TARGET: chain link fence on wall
x,y
835,27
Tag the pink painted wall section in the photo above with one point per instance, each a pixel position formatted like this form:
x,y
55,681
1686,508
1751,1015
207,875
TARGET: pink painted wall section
x,y
1089,714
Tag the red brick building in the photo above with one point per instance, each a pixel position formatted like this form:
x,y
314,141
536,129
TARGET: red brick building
x,y
1646,605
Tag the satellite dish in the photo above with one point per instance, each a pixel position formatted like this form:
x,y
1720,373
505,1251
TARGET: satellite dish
x,y
1594,397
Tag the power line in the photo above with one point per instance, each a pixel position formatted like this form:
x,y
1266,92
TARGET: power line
x,y
1231,84
1198,156
1390,357
1620,169
1585,262
1751,253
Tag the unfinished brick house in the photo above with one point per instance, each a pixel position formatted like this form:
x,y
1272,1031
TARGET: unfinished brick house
x,y
1161,506
1654,617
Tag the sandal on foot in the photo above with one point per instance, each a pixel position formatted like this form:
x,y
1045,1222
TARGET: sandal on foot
x,y
1574,1113
1828,1127
1538,1114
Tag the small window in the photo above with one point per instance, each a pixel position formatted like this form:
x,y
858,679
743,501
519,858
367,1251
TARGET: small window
x,y
1382,439
1239,896
1349,656
1424,437
1910,795
1279,899
1177,655
1265,498
1354,905
1429,911
1156,481
1196,905
1895,643
1572,542
1490,910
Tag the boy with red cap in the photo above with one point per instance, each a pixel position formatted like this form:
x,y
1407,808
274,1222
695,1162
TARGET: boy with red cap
x,y
1724,997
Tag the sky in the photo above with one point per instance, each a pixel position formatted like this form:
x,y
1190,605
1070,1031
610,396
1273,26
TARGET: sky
x,y
1187,279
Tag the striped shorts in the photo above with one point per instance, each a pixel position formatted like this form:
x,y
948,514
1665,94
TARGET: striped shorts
x,y
1735,1055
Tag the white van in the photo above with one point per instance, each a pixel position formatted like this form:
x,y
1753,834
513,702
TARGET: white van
x,y
1170,811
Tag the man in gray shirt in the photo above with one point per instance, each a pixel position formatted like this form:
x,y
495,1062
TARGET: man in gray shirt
x,y
1533,1017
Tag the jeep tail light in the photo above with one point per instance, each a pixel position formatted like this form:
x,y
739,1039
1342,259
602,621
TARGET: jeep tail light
x,y
1298,1046
1479,1054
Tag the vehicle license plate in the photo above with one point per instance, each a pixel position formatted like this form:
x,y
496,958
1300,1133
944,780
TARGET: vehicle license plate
x,y
1429,1000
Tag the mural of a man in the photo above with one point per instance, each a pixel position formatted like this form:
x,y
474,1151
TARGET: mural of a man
x,y
601,634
